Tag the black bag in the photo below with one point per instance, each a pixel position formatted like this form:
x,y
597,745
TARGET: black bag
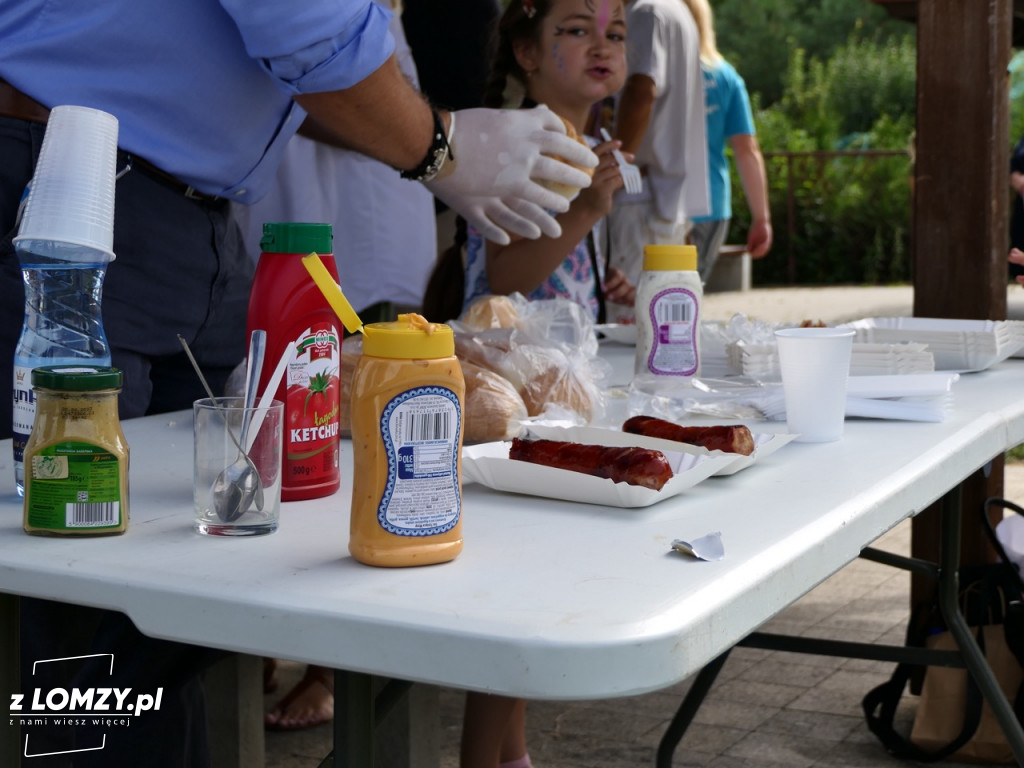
x,y
953,721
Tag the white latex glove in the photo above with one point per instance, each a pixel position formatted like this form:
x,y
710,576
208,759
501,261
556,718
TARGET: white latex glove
x,y
499,157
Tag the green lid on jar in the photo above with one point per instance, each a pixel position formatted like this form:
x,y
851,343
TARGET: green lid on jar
x,y
77,378
296,237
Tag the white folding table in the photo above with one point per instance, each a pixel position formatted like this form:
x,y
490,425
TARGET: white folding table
x,y
549,599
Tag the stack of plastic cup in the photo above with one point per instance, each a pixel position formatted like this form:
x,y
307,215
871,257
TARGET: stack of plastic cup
x,y
69,212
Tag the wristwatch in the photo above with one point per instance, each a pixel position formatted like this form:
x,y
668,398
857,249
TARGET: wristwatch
x,y
440,156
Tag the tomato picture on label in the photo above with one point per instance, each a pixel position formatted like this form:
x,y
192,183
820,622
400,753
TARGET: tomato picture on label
x,y
323,393
312,413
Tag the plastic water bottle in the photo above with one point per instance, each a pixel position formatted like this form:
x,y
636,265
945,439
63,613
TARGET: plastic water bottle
x,y
64,243
63,325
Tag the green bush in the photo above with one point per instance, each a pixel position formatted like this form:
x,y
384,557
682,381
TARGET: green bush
x,y
851,213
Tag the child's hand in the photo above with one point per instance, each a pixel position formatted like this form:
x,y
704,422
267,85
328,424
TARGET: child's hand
x,y
617,288
597,198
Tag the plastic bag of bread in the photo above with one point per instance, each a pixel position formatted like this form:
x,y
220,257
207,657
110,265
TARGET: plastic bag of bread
x,y
547,349
560,323
550,322
546,376
493,410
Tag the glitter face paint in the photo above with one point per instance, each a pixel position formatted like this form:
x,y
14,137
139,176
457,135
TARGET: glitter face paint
x,y
604,15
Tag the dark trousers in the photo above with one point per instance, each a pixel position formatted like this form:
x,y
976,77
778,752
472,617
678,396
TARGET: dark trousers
x,y
103,649
180,269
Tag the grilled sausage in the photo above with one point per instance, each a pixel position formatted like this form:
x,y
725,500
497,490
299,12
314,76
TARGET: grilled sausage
x,y
732,439
635,466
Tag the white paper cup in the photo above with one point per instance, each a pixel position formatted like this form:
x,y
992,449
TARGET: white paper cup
x,y
69,212
815,364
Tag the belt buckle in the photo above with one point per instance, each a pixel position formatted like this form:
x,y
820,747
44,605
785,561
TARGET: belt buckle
x,y
194,194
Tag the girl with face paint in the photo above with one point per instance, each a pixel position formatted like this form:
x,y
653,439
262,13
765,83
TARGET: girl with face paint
x,y
568,55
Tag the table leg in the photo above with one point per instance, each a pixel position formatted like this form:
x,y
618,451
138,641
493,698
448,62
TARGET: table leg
x,y
10,675
353,719
687,710
234,695
949,605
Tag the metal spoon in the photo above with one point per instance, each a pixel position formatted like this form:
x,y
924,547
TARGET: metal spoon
x,y
239,484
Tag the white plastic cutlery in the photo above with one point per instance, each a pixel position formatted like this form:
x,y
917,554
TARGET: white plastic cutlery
x,y
630,173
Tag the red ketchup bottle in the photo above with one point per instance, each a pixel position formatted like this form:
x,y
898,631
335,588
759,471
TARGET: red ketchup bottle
x,y
304,351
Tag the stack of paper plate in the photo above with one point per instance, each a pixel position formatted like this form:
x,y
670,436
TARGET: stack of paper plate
x,y
761,361
715,358
957,345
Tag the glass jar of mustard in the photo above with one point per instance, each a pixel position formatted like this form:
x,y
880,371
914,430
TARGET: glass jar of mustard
x,y
76,458
406,414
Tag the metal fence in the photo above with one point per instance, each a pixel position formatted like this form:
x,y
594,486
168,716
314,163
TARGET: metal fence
x,y
797,170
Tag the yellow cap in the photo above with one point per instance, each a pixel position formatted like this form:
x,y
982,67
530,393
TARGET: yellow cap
x,y
664,258
408,338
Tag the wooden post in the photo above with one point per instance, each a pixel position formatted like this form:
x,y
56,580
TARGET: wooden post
x,y
960,225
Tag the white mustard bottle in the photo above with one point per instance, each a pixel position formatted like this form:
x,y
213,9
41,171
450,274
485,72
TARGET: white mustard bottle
x,y
668,298
406,410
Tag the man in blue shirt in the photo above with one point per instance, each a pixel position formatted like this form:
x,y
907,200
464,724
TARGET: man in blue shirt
x,y
207,95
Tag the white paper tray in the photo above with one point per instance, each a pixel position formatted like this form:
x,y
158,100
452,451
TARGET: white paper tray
x,y
765,443
489,465
957,345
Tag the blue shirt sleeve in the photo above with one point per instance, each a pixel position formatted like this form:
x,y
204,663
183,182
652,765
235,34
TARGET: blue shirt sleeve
x,y
316,45
739,119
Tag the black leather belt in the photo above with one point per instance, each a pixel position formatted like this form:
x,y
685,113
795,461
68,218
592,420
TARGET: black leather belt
x,y
14,103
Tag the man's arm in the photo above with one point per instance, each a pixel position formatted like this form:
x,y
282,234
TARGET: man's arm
x,y
634,111
496,160
750,164
382,116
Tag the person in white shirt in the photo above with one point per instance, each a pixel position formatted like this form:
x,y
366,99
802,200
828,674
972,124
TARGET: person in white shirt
x,y
660,119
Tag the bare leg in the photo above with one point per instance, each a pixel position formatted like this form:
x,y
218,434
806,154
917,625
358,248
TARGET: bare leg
x,y
513,746
493,731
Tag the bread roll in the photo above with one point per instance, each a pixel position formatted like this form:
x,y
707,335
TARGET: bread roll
x,y
493,409
564,189
491,312
544,375
559,386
